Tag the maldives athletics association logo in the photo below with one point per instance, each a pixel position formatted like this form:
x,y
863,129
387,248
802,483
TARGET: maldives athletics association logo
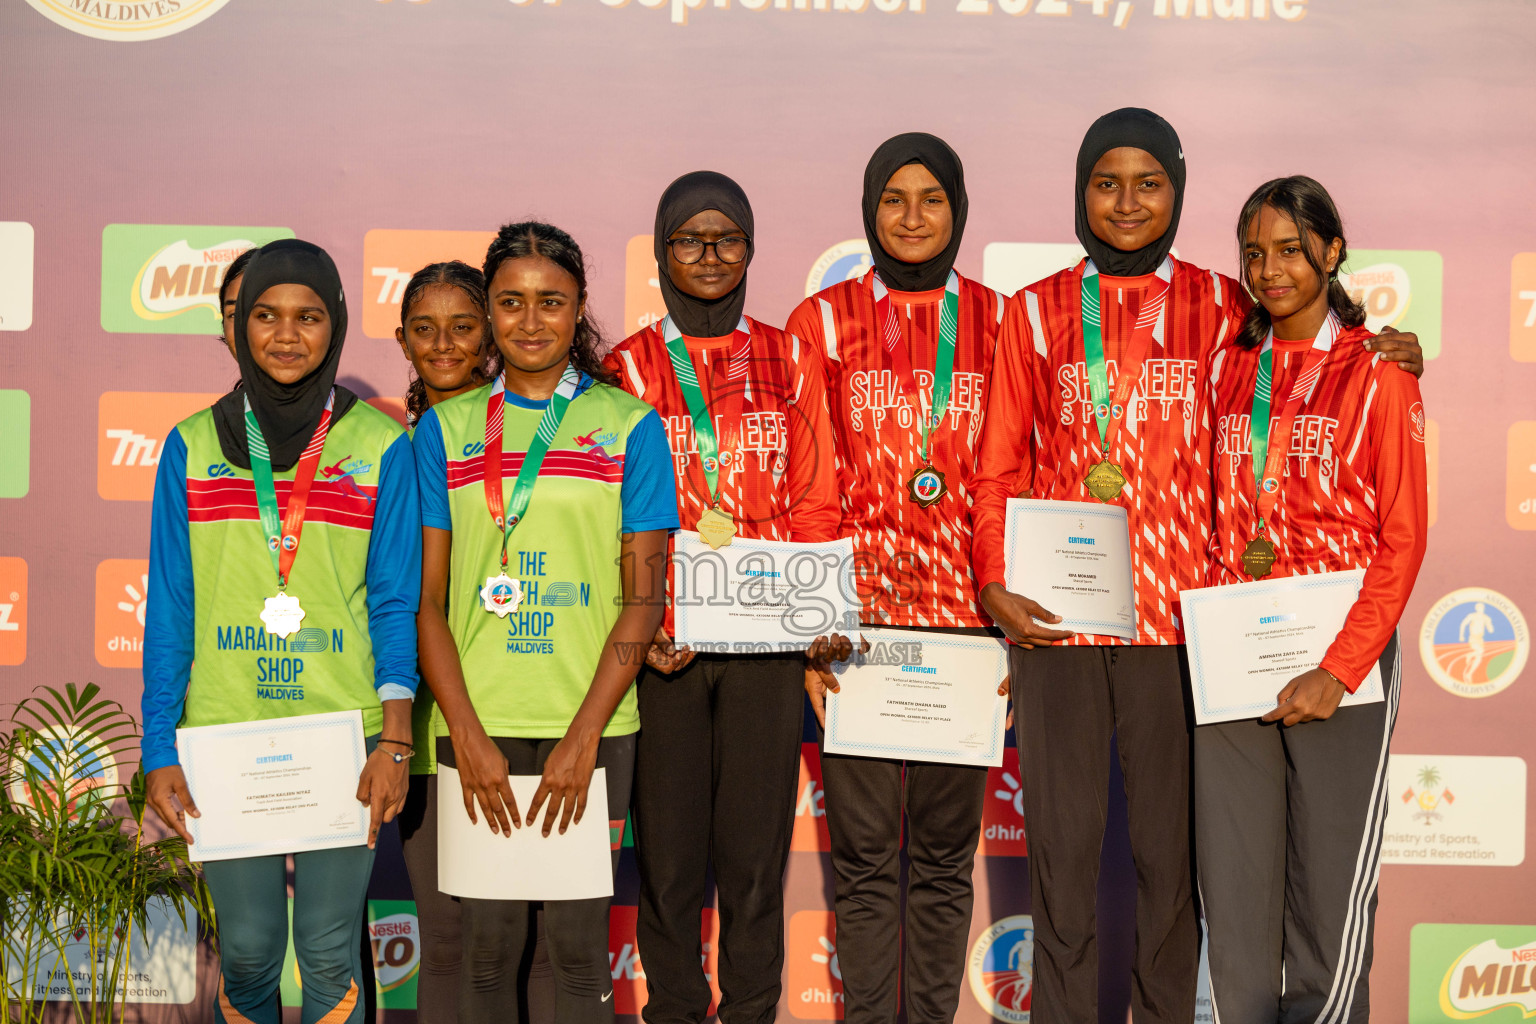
x,y
1001,968
122,21
843,262
1474,642
77,758
164,278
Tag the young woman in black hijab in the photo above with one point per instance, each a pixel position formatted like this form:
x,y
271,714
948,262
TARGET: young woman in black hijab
x,y
719,746
906,494
1158,320
336,480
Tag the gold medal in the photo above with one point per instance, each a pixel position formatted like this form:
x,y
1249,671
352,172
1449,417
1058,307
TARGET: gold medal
x,y
1259,557
716,528
926,486
1105,481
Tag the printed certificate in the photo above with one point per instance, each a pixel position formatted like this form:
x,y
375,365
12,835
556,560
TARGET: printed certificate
x,y
1074,558
756,596
1247,640
281,785
920,696
473,861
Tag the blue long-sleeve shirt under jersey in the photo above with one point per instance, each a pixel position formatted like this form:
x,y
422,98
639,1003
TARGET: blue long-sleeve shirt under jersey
x,y
393,577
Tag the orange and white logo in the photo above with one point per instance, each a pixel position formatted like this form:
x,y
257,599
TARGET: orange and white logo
x,y
125,20
131,430
1002,816
122,590
391,258
1522,307
1520,479
629,989
13,611
810,834
814,977
643,304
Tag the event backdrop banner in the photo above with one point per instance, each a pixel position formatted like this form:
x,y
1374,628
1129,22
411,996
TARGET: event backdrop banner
x,y
147,143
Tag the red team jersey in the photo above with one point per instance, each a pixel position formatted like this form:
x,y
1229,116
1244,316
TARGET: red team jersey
x,y
777,470
913,564
1354,492
1042,436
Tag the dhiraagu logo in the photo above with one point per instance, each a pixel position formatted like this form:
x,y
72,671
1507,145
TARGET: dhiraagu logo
x,y
164,278
1399,288
1478,972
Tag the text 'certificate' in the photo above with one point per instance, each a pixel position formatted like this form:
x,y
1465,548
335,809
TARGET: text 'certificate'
x,y
1074,559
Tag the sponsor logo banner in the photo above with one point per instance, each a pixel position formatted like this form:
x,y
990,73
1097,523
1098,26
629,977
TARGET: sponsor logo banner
x,y
126,21
1008,266
13,611
131,428
1520,476
1000,968
1474,642
16,249
122,591
1457,811
1480,972
1002,816
813,975
160,964
810,831
16,429
391,258
842,262
643,304
164,278
629,989
1522,307
1399,288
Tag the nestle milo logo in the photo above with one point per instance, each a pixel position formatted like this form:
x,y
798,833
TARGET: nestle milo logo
x,y
164,279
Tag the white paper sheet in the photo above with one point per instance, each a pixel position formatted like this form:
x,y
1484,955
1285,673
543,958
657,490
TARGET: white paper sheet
x,y
1074,559
921,696
1247,640
761,595
280,785
473,861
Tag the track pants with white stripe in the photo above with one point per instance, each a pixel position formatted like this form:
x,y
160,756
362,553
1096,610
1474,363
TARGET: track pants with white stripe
x,y
1288,826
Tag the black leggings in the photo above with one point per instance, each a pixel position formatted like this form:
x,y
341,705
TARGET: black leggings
x,y
494,933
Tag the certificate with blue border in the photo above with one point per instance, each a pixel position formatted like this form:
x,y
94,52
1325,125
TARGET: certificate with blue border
x,y
916,696
1074,559
280,785
1246,641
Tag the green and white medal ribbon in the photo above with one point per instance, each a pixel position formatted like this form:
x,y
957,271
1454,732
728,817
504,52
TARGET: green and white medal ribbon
x,y
927,485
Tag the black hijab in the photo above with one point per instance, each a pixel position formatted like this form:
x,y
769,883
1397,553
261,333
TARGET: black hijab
x,y
684,199
1138,129
894,154
287,413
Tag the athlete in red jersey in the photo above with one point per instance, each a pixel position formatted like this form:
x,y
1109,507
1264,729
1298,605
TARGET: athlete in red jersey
x,y
906,504
1160,321
1289,818
719,750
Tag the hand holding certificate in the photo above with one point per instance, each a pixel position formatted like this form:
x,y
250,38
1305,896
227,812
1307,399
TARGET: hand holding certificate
x,y
1074,558
1247,641
283,785
917,696
761,595
524,864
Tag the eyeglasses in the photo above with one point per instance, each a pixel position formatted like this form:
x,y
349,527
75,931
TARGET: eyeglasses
x,y
730,249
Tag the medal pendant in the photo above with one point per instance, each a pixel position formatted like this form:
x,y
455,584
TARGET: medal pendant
x,y
1105,481
1259,557
716,528
926,487
282,614
501,594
